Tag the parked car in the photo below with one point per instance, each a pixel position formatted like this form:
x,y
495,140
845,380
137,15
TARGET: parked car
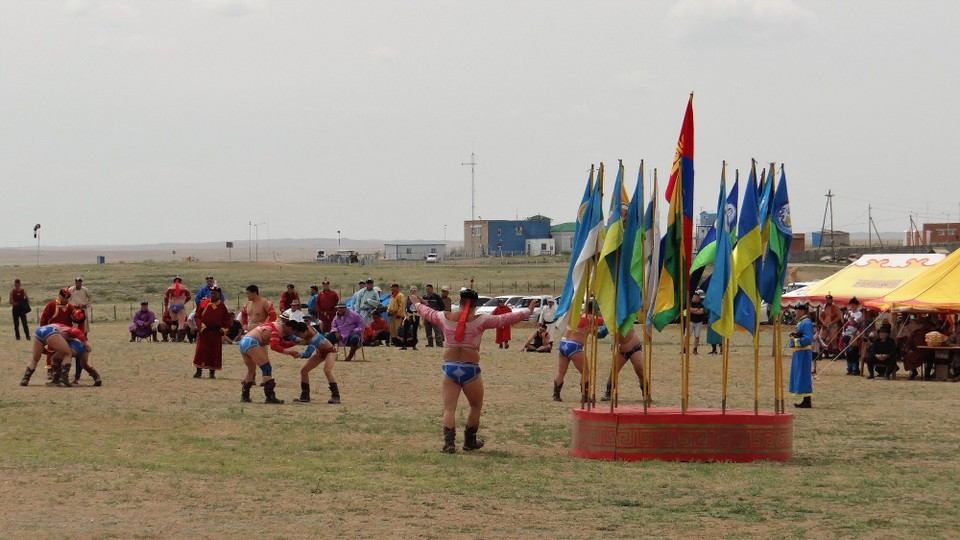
x,y
481,300
525,301
431,258
511,300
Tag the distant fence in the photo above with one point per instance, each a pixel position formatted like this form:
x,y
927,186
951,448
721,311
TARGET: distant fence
x,y
815,255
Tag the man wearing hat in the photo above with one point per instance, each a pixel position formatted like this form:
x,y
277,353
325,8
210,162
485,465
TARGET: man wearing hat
x,y
347,329
366,300
435,302
81,298
287,297
213,320
326,306
445,297
801,365
883,352
204,291
175,300
143,323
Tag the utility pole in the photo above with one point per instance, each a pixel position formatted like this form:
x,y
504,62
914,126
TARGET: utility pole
x,y
250,241
828,210
473,186
869,224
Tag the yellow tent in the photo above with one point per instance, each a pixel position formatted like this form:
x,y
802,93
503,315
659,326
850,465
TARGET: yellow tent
x,y
937,289
871,277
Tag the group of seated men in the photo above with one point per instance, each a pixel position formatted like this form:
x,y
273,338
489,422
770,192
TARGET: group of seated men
x,y
884,351
145,326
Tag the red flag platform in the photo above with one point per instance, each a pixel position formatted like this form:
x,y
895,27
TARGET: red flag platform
x,y
664,433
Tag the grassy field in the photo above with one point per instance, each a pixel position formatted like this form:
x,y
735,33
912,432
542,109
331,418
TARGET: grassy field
x,y
155,453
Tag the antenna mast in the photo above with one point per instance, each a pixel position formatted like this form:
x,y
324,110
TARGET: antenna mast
x,y
473,186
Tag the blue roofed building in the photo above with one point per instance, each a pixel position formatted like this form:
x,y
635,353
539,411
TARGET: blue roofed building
x,y
503,237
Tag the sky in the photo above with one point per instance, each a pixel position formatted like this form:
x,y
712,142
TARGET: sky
x,y
125,122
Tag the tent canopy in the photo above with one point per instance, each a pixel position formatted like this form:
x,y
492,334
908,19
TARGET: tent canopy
x,y
936,289
869,278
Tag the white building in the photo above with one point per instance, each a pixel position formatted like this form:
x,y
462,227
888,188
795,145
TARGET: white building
x,y
413,251
540,246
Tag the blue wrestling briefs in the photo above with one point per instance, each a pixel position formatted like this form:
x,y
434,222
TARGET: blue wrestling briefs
x,y
569,348
247,343
637,348
461,372
77,347
44,332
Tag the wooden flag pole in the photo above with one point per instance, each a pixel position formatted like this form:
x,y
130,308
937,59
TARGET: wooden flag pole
x,y
756,365
725,358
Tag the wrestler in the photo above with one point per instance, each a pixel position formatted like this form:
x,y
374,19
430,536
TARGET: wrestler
x,y
571,348
81,350
631,350
254,353
59,311
257,310
212,320
319,351
175,299
53,336
462,333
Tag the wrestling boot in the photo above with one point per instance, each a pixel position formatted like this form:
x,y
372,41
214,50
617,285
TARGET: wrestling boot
x,y
556,391
27,373
470,440
449,440
334,394
606,393
304,393
805,404
245,391
212,375
54,376
65,376
181,336
198,374
97,381
269,394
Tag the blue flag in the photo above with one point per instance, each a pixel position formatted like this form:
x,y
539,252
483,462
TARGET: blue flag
x,y
778,247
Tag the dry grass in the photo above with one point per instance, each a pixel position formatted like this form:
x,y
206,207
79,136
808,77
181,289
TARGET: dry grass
x,y
155,453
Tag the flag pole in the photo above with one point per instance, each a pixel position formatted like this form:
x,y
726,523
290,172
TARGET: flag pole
x,y
725,356
589,375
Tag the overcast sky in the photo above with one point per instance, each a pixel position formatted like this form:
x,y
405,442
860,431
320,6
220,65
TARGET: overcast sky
x,y
181,121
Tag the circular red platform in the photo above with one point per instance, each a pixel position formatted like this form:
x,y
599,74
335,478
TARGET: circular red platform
x,y
665,433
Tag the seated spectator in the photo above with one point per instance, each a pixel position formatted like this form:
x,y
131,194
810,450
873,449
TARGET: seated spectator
x,y
347,329
235,332
191,331
882,353
169,327
407,333
144,323
539,341
378,332
914,357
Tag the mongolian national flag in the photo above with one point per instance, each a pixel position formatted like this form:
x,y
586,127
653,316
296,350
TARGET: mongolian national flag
x,y
682,172
745,256
589,223
630,273
778,247
708,246
717,301
651,237
605,287
678,239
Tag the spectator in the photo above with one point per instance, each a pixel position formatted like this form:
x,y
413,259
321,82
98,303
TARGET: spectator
x,y
407,333
445,297
143,325
235,332
396,308
502,332
367,299
59,310
347,329
378,332
81,298
204,291
312,302
20,303
433,301
539,341
698,316
882,353
287,297
169,327
327,301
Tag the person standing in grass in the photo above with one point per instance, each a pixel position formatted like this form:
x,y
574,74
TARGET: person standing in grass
x,y
21,306
571,347
175,299
257,310
462,333
503,333
801,377
213,319
276,335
